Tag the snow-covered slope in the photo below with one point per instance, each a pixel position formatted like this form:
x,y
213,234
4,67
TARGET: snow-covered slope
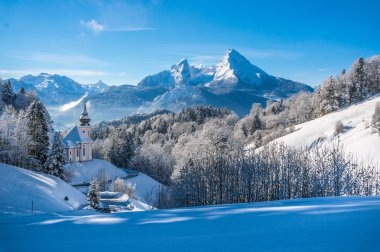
x,y
234,68
317,224
83,172
19,187
98,87
179,74
357,136
217,85
53,88
234,72
146,187
179,97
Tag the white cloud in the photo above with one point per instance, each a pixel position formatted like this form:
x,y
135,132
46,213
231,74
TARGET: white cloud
x,y
93,25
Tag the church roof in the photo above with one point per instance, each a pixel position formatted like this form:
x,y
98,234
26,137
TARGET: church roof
x,y
74,136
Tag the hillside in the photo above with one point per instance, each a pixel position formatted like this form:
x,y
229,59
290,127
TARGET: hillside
x,y
357,136
315,224
19,187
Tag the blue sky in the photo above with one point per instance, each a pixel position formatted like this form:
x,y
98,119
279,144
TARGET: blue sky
x,y
120,42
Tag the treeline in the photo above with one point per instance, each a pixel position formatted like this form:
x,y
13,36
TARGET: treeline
x,y
27,138
220,175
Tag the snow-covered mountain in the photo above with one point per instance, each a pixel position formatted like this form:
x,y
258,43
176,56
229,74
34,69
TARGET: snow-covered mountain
x,y
98,87
51,88
180,74
233,83
233,72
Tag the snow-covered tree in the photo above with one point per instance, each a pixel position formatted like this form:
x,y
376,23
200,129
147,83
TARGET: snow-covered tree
x,y
118,185
102,179
358,77
56,159
92,195
7,94
38,130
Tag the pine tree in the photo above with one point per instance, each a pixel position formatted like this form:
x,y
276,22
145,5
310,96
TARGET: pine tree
x,y
22,91
56,158
358,88
7,94
257,124
39,131
92,195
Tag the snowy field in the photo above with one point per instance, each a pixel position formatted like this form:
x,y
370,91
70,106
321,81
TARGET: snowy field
x,y
357,136
318,224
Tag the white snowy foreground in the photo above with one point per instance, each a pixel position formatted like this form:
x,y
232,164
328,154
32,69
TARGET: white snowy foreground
x,y
357,136
317,224
19,187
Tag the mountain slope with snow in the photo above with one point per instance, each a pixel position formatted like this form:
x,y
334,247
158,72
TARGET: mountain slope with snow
x,y
19,187
51,88
315,224
217,86
233,83
357,136
98,87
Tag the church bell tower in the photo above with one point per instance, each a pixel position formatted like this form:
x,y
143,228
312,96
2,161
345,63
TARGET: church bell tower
x,y
85,122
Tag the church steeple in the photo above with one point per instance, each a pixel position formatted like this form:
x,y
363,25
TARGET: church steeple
x,y
84,119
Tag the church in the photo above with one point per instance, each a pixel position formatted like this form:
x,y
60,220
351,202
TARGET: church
x,y
77,141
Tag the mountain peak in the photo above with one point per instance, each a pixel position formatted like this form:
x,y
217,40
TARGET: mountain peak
x,y
181,72
183,62
100,83
235,67
44,75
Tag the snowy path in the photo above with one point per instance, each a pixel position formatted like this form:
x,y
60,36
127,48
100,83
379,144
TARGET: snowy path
x,y
319,224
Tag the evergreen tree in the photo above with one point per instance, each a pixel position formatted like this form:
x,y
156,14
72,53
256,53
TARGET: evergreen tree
x,y
358,88
257,124
7,94
56,158
92,195
38,131
22,91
